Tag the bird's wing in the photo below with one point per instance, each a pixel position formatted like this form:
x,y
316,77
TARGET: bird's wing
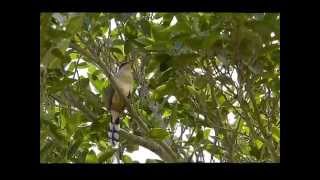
x,y
108,97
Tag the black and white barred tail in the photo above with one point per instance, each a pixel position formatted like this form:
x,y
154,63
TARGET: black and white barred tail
x,y
113,132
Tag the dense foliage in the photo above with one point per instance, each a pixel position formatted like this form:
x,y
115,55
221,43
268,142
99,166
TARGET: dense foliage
x,y
204,83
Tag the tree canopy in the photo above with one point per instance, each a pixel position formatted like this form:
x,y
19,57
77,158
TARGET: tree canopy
x,y
204,83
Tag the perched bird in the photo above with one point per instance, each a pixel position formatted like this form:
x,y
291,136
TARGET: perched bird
x,y
114,103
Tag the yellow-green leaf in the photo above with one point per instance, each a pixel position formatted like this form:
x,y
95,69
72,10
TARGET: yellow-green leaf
x,y
91,157
158,134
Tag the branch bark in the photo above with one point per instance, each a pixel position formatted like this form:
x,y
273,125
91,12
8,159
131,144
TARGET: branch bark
x,y
266,136
149,144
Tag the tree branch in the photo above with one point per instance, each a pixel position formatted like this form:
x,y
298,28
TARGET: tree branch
x,y
149,144
266,138
75,102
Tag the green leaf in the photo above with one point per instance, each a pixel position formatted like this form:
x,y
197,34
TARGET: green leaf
x,y
187,107
72,66
91,69
99,85
258,143
82,156
56,134
59,85
75,24
276,85
92,98
146,27
276,133
63,44
199,136
83,65
91,157
206,133
167,18
245,148
125,121
163,57
144,41
210,39
55,63
194,42
103,145
116,50
67,81
73,122
221,100
117,42
74,147
84,83
130,31
211,148
192,90
173,122
45,151
126,159
167,113
106,155
127,47
181,25
152,66
158,134
74,56
160,91
57,53
255,152
159,33
184,60
55,57
132,147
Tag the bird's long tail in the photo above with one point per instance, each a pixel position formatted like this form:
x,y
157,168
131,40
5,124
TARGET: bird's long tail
x,y
114,127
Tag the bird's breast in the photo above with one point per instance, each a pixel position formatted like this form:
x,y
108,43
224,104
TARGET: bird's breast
x,y
125,86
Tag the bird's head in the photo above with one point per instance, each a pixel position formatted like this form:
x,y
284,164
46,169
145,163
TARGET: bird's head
x,y
126,66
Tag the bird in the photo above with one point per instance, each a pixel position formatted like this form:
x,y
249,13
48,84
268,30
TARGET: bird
x,y
114,103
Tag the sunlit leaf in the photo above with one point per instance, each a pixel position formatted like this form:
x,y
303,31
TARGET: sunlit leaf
x,y
91,157
105,155
75,23
158,134
126,159
276,133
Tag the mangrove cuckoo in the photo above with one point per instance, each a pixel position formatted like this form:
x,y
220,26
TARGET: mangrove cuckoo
x,y
114,103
